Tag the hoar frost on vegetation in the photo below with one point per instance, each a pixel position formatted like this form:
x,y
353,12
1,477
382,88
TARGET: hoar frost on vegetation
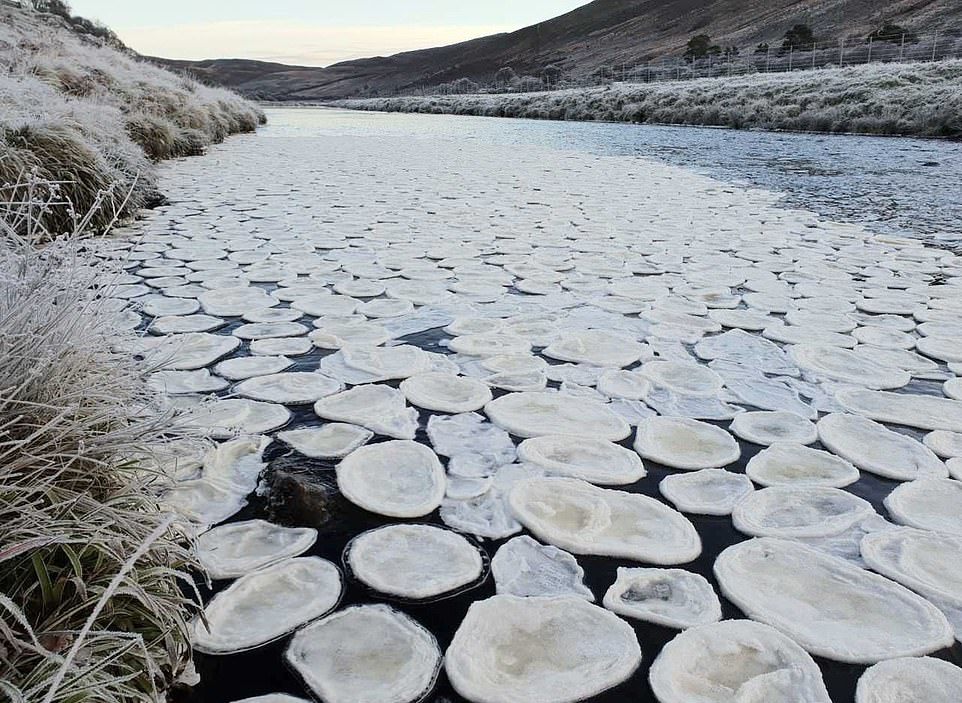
x,y
91,118
561,376
917,99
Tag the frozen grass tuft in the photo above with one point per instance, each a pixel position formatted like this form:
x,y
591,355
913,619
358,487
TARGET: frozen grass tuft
x,y
77,111
908,99
91,570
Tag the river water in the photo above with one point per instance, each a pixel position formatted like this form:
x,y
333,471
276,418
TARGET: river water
x,y
385,178
894,185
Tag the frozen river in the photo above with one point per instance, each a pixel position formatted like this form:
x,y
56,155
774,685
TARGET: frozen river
x,y
644,290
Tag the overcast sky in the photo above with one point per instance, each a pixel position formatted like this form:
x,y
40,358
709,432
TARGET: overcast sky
x,y
308,32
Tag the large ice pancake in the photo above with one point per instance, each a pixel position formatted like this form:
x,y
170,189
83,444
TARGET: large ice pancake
x,y
837,611
539,650
378,408
845,366
273,698
334,440
446,392
929,563
414,561
932,504
706,492
875,448
267,604
189,352
225,418
399,478
233,550
590,459
735,661
585,519
923,411
798,512
788,464
685,377
682,443
523,567
366,654
668,597
767,428
911,680
536,414
291,388
598,348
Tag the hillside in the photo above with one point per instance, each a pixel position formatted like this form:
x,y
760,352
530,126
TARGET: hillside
x,y
603,32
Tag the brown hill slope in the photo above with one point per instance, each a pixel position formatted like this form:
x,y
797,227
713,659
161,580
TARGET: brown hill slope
x,y
603,32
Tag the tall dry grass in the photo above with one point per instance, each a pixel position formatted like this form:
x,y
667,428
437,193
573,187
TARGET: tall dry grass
x,y
910,99
92,571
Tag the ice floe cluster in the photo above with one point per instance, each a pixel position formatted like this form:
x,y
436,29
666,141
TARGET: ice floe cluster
x,y
512,394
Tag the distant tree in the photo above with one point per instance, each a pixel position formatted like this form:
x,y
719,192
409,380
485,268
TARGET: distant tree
x,y
604,73
464,85
762,48
530,84
891,32
800,36
730,52
551,74
699,47
505,77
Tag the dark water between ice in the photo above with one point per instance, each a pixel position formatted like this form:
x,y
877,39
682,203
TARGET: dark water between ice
x,y
847,178
895,185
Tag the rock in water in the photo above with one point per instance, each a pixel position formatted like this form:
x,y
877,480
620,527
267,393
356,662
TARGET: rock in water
x,y
584,519
399,478
687,444
523,567
233,550
911,680
268,604
838,611
536,414
590,459
539,650
310,499
414,561
933,504
667,597
736,661
366,654
927,562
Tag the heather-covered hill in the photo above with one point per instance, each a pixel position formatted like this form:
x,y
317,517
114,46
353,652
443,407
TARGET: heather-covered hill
x,y
601,33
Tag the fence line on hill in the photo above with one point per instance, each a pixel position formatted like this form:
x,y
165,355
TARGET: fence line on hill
x,y
848,51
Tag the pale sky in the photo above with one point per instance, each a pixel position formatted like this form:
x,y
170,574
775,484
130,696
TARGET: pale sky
x,y
306,32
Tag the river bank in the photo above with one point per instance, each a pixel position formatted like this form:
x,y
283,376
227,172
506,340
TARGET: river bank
x,y
885,99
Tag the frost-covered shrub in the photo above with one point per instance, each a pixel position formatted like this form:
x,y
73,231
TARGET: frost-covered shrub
x,y
78,111
91,604
919,99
